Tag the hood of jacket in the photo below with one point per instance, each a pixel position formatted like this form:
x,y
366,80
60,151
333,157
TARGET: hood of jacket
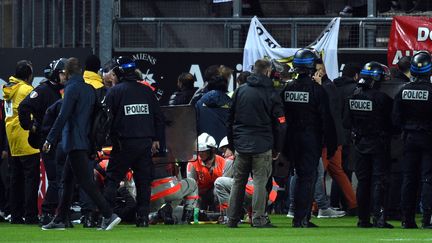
x,y
259,80
341,81
12,87
216,98
93,79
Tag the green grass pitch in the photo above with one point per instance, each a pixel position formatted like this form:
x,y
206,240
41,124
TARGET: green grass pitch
x,y
330,230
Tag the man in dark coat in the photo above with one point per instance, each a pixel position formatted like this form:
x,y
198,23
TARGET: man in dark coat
x,y
74,123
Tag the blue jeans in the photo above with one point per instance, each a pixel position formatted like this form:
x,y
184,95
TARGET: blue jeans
x,y
320,195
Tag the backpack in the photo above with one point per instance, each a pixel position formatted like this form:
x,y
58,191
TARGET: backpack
x,y
101,122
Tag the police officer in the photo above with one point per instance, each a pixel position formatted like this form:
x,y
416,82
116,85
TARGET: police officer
x,y
31,112
412,112
368,115
135,132
308,122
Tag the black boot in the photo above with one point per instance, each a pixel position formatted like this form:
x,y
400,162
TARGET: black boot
x,y
380,222
166,214
426,221
408,219
305,223
45,219
364,224
142,221
87,220
188,215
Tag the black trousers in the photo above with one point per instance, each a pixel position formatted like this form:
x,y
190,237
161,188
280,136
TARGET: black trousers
x,y
50,202
417,167
307,152
25,178
135,154
76,170
4,186
372,171
86,203
60,157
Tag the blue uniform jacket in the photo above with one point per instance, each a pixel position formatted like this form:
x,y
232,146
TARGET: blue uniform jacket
x,y
74,120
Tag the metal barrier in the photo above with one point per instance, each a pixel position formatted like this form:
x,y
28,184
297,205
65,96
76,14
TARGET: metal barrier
x,y
215,33
48,23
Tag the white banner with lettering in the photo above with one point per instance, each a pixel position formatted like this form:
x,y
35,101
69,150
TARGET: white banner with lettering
x,y
260,44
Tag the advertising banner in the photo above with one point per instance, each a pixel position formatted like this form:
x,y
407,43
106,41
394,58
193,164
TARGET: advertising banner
x,y
409,34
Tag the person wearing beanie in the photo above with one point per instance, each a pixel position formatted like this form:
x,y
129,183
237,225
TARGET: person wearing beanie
x,y
91,76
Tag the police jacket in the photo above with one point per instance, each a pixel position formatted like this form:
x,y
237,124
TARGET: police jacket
x,y
136,111
335,105
36,103
369,118
212,113
256,121
74,119
307,107
412,109
345,87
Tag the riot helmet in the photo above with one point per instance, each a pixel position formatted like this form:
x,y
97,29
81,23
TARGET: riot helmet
x,y
304,61
421,65
52,72
371,73
125,66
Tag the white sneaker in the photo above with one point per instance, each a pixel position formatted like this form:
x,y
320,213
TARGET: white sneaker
x,y
290,214
330,213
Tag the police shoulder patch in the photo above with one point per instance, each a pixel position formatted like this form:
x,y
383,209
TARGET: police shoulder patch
x,y
33,94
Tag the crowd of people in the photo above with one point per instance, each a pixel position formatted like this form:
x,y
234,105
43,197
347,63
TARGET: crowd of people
x,y
295,116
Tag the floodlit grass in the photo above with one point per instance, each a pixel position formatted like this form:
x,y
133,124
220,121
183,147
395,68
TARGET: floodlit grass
x,y
330,230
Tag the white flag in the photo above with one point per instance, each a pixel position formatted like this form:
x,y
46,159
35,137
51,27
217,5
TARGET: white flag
x,y
260,44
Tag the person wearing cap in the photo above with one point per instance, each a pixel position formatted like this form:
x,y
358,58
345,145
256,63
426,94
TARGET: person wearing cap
x,y
24,165
91,68
205,170
31,112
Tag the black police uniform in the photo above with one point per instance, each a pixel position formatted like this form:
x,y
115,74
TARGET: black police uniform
x,y
308,119
368,115
412,112
137,122
36,104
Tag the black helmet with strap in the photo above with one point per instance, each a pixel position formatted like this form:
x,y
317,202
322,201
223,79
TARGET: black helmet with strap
x,y
421,65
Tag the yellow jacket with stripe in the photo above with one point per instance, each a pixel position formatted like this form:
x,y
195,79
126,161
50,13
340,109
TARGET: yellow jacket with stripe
x,y
93,79
15,92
